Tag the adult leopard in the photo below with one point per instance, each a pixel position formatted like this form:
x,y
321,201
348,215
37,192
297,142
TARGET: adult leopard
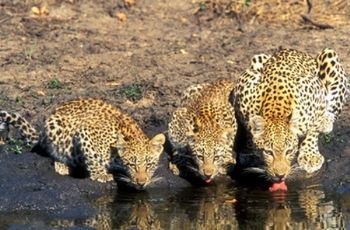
x,y
284,102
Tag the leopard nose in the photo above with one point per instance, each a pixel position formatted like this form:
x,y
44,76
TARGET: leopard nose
x,y
280,177
208,173
142,183
141,180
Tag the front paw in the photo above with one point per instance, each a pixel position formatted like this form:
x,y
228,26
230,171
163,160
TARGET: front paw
x,y
61,168
102,178
174,169
311,163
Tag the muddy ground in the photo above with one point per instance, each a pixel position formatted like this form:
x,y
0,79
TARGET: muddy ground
x,y
140,55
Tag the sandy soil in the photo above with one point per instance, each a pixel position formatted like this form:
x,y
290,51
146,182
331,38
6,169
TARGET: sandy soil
x,y
140,56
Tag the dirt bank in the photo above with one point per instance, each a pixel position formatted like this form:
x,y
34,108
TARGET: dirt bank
x,y
140,56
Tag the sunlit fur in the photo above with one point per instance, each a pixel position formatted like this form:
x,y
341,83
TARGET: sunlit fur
x,y
278,145
95,135
285,101
205,126
212,149
140,158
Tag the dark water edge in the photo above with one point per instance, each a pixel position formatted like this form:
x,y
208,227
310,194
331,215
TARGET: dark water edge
x,y
217,207
33,196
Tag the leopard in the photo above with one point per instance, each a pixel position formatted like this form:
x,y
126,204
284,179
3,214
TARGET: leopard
x,y
92,134
202,131
283,103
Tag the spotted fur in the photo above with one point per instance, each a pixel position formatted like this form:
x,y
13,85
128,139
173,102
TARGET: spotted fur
x,y
202,131
93,134
285,102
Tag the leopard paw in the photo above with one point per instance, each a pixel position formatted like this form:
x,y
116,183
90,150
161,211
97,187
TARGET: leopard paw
x,y
174,169
61,168
103,178
310,162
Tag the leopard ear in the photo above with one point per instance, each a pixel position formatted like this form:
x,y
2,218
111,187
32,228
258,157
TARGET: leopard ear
x,y
257,124
157,143
228,136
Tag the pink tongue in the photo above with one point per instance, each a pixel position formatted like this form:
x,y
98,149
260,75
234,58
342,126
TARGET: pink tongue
x,y
208,181
278,186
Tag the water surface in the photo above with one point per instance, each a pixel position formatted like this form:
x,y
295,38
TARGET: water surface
x,y
217,207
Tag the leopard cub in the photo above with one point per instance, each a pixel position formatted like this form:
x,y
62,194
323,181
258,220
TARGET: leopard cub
x,y
94,135
202,132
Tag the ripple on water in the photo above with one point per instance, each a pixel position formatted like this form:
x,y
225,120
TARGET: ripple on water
x,y
216,207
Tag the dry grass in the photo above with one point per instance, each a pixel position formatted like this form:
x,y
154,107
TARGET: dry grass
x,y
334,13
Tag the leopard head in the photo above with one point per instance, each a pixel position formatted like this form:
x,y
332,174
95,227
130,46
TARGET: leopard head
x,y
140,159
277,141
210,150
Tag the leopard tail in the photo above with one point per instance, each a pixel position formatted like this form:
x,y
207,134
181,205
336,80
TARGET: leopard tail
x,y
28,132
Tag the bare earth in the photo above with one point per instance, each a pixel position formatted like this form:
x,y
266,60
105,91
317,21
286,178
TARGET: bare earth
x,y
141,56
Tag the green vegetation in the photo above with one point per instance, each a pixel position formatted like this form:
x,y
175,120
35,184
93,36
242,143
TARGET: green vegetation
x,y
28,53
133,92
15,146
229,8
247,2
202,6
328,138
54,84
19,100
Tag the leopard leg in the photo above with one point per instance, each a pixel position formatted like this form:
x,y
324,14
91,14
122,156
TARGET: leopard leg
x,y
309,157
96,162
61,168
227,162
333,77
97,171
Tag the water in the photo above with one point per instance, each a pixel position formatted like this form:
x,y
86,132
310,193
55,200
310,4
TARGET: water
x,y
217,207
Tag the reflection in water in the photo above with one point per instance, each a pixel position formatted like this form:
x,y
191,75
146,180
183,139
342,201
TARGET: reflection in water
x,y
303,209
217,207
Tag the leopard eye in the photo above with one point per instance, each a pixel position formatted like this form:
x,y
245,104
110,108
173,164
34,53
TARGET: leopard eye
x,y
216,158
149,165
268,153
289,152
131,165
200,157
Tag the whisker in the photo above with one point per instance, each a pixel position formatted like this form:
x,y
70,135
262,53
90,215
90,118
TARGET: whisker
x,y
117,168
156,179
123,178
255,170
193,168
295,168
